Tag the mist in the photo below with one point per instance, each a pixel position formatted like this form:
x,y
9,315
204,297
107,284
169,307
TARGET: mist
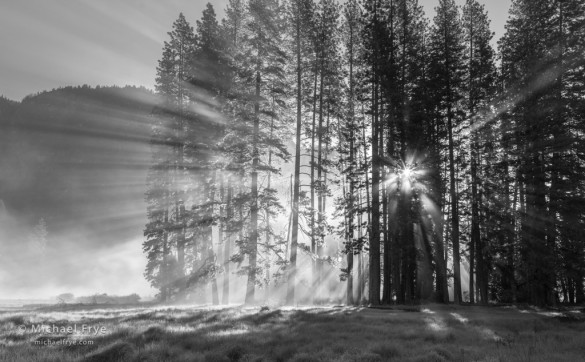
x,y
74,160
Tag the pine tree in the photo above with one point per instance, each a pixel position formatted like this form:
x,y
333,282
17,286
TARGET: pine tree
x,y
447,69
351,34
539,69
425,148
373,35
210,84
166,195
232,32
258,62
480,87
299,16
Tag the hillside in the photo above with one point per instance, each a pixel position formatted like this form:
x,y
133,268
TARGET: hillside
x,y
77,158
59,143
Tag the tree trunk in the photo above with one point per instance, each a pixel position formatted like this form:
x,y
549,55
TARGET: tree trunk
x,y
253,236
226,247
211,258
454,214
319,241
350,196
290,296
374,294
360,276
267,211
312,228
164,290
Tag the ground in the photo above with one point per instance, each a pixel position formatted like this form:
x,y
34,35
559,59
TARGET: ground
x,y
336,333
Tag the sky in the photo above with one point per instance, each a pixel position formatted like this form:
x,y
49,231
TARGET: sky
x,y
47,44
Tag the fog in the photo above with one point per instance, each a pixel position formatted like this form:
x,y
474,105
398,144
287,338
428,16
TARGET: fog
x,y
72,201
74,160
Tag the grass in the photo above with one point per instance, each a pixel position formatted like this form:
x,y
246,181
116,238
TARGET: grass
x,y
425,334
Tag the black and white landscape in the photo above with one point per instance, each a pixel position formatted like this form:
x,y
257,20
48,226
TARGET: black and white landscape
x,y
292,180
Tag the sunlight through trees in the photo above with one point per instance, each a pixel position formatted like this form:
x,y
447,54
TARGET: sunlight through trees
x,y
368,153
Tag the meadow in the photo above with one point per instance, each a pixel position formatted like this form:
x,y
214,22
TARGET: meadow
x,y
334,333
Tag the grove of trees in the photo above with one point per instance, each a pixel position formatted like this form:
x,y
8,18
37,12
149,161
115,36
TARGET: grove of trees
x,y
442,168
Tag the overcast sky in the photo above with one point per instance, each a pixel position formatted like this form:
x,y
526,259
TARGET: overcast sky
x,y
51,43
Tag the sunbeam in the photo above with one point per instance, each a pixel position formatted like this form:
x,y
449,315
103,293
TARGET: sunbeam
x,y
282,180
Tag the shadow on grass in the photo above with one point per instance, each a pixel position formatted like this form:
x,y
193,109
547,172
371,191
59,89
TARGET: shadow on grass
x,y
309,334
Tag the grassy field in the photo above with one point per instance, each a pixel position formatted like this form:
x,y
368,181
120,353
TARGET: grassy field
x,y
427,333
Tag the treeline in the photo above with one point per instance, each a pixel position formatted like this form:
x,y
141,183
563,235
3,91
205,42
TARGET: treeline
x,y
98,298
440,163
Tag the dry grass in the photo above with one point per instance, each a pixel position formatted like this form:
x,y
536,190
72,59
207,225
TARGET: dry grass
x,y
429,333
